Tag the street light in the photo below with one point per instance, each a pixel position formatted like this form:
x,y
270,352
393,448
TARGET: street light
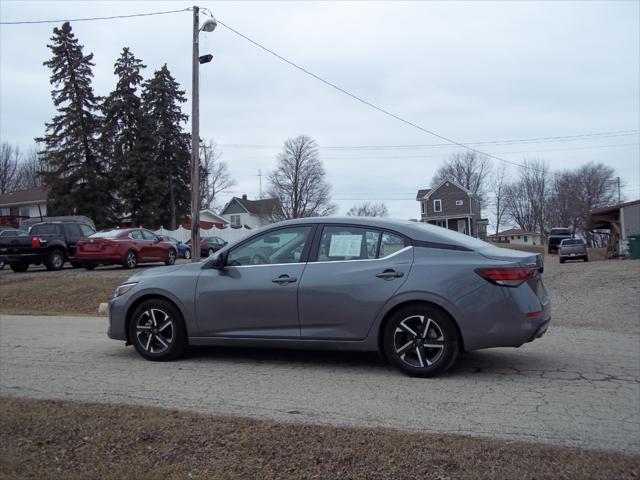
x,y
208,26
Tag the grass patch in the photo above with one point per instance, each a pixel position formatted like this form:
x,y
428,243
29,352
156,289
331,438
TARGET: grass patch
x,y
56,439
522,248
46,295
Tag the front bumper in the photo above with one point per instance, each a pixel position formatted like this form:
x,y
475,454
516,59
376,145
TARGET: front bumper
x,y
117,319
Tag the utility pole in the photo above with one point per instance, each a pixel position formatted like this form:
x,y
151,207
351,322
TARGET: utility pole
x,y
618,189
195,141
260,181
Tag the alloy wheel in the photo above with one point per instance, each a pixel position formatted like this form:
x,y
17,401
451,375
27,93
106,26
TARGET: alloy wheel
x,y
419,341
131,260
155,331
187,254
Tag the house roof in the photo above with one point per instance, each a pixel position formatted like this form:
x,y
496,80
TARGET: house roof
x,y
515,231
217,217
265,206
445,180
422,193
23,197
613,208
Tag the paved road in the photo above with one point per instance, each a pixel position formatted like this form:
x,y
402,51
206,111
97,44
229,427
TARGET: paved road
x,y
573,387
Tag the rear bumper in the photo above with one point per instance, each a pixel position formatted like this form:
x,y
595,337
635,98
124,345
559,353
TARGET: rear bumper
x,y
24,258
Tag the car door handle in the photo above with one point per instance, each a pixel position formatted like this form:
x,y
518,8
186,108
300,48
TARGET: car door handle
x,y
389,274
284,279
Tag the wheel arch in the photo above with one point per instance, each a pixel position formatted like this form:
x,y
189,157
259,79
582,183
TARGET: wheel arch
x,y
395,308
150,296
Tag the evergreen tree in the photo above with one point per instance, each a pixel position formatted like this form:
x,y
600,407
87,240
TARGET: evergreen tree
x,y
123,145
167,189
76,176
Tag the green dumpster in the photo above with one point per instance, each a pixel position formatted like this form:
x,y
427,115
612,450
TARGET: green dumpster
x,y
634,246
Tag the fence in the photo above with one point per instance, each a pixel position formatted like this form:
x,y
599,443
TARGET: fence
x,y
227,234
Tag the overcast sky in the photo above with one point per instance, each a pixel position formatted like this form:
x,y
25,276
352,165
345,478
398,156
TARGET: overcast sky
x,y
471,71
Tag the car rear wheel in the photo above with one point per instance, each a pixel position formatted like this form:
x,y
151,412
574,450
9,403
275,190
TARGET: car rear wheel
x,y
19,267
55,260
157,331
171,257
131,260
421,341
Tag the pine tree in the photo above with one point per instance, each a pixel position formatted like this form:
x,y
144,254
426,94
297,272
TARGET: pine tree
x,y
76,175
168,180
122,142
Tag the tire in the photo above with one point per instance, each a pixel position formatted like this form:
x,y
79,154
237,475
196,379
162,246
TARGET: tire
x,y
187,253
157,330
19,267
171,257
211,251
562,260
405,339
89,266
55,260
586,259
76,265
130,260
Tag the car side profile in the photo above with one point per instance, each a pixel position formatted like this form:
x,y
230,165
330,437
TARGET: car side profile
x,y
417,293
124,246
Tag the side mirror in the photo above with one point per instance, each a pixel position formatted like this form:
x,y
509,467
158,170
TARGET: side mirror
x,y
219,262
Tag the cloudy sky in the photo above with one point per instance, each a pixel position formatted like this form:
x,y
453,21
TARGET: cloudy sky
x,y
496,72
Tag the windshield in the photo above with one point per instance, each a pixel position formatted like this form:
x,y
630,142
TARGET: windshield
x,y
107,234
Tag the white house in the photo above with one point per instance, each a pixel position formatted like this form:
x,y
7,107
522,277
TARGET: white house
x,y
517,236
23,204
209,216
252,213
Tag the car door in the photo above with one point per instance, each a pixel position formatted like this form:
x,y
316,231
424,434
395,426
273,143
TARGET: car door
x,y
72,234
140,245
156,249
256,294
354,271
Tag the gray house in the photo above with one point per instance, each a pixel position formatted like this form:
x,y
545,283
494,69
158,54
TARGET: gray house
x,y
252,213
450,205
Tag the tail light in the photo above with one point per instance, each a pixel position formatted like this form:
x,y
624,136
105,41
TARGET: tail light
x,y
35,242
506,277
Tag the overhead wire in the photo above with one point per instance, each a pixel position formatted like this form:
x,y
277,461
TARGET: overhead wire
x,y
88,19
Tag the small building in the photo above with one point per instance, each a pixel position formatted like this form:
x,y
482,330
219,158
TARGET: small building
x,y
450,205
622,221
213,218
517,236
22,205
251,213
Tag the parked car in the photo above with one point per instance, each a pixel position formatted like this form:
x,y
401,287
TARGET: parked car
x,y
417,293
125,246
48,243
10,232
556,235
184,250
573,249
209,245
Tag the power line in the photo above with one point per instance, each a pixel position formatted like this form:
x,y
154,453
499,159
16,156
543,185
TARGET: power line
x,y
114,17
374,106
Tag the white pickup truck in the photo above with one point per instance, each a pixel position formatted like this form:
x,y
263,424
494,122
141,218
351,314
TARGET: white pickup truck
x,y
573,249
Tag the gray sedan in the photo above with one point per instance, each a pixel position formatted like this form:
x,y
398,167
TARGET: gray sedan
x,y
417,293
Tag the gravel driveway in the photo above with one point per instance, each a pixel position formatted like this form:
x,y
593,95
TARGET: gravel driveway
x,y
576,386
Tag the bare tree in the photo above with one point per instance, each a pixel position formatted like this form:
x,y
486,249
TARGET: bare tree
x,y
517,206
9,160
499,192
563,204
214,174
469,169
298,182
534,174
31,171
369,209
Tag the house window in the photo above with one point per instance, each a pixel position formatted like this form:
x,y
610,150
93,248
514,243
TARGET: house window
x,y
422,206
437,205
518,237
459,202
525,239
25,212
235,220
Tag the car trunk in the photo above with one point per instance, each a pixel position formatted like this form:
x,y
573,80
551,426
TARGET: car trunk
x,y
96,245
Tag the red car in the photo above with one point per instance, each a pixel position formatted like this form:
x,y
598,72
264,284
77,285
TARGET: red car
x,y
125,246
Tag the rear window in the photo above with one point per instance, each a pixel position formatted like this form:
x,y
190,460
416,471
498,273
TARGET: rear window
x,y
559,231
572,241
107,234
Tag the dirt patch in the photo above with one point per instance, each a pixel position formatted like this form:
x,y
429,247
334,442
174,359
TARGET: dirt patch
x,y
55,439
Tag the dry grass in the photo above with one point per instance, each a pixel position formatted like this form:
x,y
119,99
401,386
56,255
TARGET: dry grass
x,y
55,439
521,248
45,295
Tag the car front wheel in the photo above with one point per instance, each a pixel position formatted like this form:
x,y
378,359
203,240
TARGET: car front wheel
x,y
187,254
421,341
157,331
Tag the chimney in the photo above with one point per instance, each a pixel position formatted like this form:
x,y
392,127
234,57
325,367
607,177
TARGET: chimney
x,y
244,196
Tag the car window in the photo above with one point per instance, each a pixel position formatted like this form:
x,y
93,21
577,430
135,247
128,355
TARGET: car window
x,y
147,235
136,235
347,243
107,234
86,230
391,243
280,246
9,233
46,229
73,230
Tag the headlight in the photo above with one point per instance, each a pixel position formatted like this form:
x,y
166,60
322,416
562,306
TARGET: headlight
x,y
124,288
